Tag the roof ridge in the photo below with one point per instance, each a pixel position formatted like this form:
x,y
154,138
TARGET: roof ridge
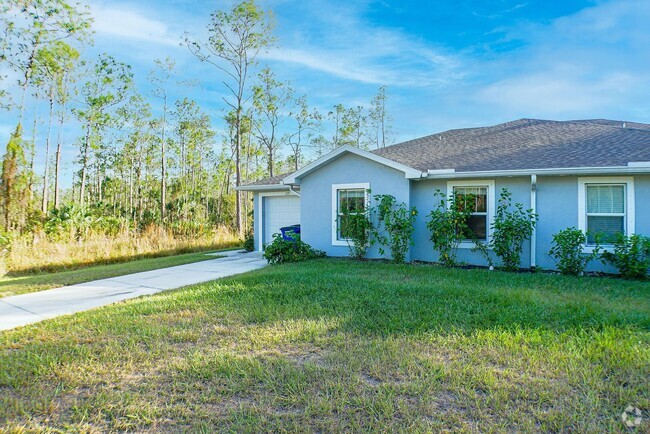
x,y
609,123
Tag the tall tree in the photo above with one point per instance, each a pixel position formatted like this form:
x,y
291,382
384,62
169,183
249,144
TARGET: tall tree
x,y
64,78
28,26
336,117
270,101
380,119
35,24
306,123
107,84
137,154
159,79
13,182
235,39
353,127
52,60
194,150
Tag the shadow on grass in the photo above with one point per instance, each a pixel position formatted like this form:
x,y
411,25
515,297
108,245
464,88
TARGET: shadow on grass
x,y
385,299
43,269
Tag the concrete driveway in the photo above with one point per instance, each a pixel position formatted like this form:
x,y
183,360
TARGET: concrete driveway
x,y
19,310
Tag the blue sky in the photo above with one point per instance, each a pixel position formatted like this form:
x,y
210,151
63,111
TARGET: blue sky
x,y
447,64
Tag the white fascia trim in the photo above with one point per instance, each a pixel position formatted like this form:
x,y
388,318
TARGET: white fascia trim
x,y
260,215
630,210
491,209
267,187
335,206
613,170
409,172
638,164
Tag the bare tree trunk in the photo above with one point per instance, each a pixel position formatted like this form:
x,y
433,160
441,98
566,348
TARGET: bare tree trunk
x,y
238,173
131,213
163,178
32,157
47,156
163,165
57,164
84,167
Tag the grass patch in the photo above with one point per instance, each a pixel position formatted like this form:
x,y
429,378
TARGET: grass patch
x,y
334,345
39,282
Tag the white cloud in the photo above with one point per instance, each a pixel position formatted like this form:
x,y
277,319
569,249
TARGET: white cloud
x,y
552,95
126,22
594,63
334,39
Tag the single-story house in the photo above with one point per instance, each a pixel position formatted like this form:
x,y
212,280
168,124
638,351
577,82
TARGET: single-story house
x,y
589,174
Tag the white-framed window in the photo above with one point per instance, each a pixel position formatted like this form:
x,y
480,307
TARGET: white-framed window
x,y
605,208
482,192
346,199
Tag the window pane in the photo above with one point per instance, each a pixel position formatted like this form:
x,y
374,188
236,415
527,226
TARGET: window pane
x,y
352,200
606,198
345,223
479,195
478,226
606,226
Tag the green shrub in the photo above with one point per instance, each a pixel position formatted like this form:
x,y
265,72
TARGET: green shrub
x,y
397,221
73,221
448,226
249,241
567,251
357,227
631,256
280,251
510,228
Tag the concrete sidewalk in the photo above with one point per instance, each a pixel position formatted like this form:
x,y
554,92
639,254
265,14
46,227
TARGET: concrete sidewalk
x,y
19,310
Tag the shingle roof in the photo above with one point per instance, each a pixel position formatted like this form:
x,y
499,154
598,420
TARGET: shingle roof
x,y
527,144
522,144
270,180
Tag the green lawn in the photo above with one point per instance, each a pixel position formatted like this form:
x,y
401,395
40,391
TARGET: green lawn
x,y
39,282
334,345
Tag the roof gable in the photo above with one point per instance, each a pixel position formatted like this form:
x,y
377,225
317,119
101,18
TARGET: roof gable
x,y
409,172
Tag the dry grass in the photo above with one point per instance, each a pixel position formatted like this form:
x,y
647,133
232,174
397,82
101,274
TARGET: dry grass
x,y
40,254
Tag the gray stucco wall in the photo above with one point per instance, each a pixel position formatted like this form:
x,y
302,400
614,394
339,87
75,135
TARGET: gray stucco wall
x,y
557,206
642,199
422,197
316,197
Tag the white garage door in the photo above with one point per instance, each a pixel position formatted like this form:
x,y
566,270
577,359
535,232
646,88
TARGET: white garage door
x,y
279,211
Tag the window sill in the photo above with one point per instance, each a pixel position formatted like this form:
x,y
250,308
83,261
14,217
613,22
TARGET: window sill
x,y
603,248
343,243
468,244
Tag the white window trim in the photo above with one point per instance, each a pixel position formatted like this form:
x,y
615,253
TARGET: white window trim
x,y
629,202
491,208
335,206
260,221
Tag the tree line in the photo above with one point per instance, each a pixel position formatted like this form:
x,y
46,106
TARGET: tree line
x,y
149,158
